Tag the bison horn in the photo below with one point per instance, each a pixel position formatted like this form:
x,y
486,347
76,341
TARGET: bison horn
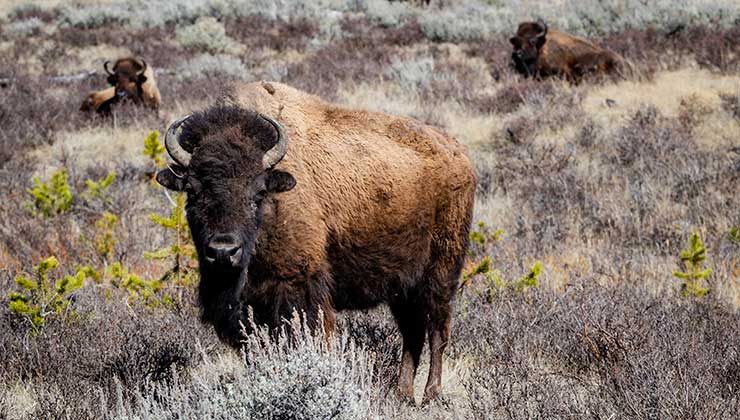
x,y
172,143
105,66
276,153
143,68
542,25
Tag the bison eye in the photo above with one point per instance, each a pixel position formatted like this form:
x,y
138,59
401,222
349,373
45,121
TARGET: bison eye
x,y
192,186
260,196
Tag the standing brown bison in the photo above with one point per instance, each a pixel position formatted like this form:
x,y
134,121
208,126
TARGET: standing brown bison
x,y
133,80
539,52
297,204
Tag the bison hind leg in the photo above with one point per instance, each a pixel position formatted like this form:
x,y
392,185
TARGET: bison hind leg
x,y
412,323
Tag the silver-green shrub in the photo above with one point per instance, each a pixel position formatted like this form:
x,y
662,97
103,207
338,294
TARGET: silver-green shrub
x,y
208,65
311,378
208,34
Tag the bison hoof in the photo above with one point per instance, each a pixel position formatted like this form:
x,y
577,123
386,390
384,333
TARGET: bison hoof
x,y
430,394
406,395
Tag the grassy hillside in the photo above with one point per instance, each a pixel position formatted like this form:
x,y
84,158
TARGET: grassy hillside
x,y
602,183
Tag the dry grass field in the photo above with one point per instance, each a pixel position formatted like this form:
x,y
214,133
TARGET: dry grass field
x,y
602,183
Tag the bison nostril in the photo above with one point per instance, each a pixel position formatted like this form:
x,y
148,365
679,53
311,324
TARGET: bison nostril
x,y
224,249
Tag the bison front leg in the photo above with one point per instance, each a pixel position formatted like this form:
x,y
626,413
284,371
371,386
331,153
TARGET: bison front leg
x,y
412,322
278,301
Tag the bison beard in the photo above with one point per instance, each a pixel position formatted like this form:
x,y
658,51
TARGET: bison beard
x,y
357,209
221,306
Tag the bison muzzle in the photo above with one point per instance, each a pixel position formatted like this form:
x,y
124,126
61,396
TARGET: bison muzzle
x,y
295,204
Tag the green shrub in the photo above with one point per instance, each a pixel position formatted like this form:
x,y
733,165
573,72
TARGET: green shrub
x,y
39,299
204,66
98,190
693,258
181,252
105,239
207,34
484,235
529,280
53,197
154,150
137,287
734,236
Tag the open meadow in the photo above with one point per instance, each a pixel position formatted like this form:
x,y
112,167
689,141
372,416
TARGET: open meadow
x,y
572,302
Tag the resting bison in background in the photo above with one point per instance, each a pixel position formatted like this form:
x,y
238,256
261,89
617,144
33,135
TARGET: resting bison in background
x,y
133,80
99,101
298,204
539,52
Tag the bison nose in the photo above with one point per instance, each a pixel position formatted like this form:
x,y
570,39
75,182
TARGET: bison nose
x,y
224,249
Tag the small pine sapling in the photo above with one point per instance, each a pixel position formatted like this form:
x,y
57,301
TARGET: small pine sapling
x,y
153,149
105,239
181,252
693,258
52,198
98,190
137,287
484,236
39,299
530,280
734,236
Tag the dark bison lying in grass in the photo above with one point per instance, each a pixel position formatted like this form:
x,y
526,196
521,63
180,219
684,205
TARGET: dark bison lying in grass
x,y
540,52
295,204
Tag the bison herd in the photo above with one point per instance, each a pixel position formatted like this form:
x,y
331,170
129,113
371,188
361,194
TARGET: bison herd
x,y
538,52
297,205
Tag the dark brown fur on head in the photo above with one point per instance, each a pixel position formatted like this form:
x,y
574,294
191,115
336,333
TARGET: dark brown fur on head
x,y
226,185
529,39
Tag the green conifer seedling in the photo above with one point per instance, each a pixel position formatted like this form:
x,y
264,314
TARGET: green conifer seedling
x,y
734,236
530,280
39,299
693,258
97,190
52,198
182,251
105,239
154,149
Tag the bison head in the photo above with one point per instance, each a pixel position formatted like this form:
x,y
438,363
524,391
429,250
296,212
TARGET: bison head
x,y
225,163
529,39
127,77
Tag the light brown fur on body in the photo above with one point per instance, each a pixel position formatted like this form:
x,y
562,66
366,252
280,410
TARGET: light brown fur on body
x,y
573,57
379,213
541,52
96,101
383,193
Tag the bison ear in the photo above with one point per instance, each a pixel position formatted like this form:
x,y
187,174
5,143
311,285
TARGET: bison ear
x,y
514,41
111,80
279,181
142,79
167,178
